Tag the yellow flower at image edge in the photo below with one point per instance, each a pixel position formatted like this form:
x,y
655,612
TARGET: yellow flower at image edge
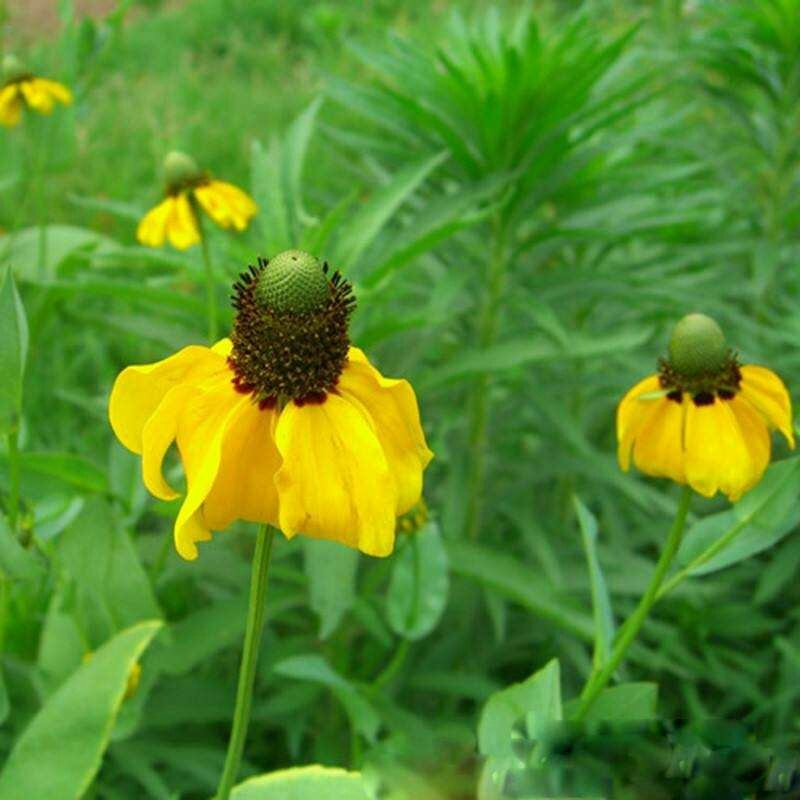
x,y
21,89
285,423
175,220
703,420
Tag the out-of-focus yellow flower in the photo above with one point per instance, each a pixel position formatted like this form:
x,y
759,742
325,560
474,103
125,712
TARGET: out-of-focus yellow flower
x,y
22,89
703,420
175,219
285,423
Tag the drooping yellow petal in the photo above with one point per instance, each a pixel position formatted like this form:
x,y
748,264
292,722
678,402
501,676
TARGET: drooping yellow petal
x,y
181,225
334,482
767,392
139,389
392,407
717,456
244,487
152,230
226,204
755,435
631,414
203,426
56,90
658,449
10,105
36,95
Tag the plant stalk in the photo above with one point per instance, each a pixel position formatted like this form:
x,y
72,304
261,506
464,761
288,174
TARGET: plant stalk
x,y
13,478
479,407
630,630
247,668
211,304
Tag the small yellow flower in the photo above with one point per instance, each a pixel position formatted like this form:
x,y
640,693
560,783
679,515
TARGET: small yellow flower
x,y
22,89
284,423
189,189
703,420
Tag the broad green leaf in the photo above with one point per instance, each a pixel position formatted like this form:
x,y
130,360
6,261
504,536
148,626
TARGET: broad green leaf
x,y
61,644
628,702
304,783
419,585
520,583
61,749
331,571
367,222
68,468
315,668
601,602
270,195
764,516
13,351
536,702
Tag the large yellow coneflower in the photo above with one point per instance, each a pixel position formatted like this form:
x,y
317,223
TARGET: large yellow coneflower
x,y
703,420
189,190
284,423
22,89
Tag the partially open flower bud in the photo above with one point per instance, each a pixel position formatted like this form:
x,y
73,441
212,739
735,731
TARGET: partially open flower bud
x,y
697,346
13,69
180,170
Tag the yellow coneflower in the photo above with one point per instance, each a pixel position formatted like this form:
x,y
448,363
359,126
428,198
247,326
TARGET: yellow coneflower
x,y
22,89
188,189
704,419
284,423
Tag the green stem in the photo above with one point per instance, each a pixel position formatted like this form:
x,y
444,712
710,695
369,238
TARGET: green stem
x,y
479,407
13,478
247,668
629,631
210,286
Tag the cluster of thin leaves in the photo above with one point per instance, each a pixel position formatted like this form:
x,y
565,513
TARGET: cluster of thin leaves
x,y
524,207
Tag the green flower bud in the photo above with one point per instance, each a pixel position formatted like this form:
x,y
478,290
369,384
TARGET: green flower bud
x,y
180,169
697,346
13,68
294,283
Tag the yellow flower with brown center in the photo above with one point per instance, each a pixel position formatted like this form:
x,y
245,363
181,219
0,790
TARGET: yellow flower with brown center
x,y
22,89
703,420
284,423
189,189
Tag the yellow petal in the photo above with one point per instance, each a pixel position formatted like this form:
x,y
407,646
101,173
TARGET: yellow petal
x,y
138,390
202,428
334,482
392,407
56,90
36,95
152,230
766,391
631,413
10,105
756,437
717,456
182,229
658,447
227,205
244,487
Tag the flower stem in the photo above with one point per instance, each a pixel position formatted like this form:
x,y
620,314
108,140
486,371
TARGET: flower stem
x,y
629,631
479,407
209,270
13,478
247,668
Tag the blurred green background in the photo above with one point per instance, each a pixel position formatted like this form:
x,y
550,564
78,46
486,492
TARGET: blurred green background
x,y
526,197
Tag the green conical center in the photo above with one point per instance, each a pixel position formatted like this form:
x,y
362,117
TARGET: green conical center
x,y
180,169
293,283
13,69
697,346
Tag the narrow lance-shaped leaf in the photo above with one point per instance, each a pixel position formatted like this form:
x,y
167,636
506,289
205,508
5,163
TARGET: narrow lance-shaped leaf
x,y
13,351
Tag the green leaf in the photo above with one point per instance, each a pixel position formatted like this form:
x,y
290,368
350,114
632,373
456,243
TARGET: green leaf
x,y
331,571
5,705
536,702
270,195
16,561
601,602
764,516
419,585
68,468
13,351
628,702
295,148
304,783
314,668
72,730
368,221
